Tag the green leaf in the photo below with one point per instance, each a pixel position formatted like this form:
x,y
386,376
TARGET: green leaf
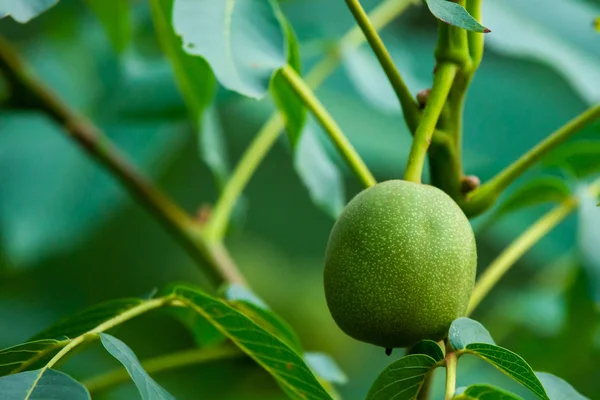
x,y
88,319
42,384
237,292
325,367
455,15
277,358
401,380
484,392
290,106
24,10
26,355
428,347
193,75
579,159
318,173
535,192
246,42
203,332
511,364
557,388
115,16
464,331
522,30
148,388
253,307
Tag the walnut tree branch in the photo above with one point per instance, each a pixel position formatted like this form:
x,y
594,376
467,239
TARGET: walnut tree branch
x,y
29,92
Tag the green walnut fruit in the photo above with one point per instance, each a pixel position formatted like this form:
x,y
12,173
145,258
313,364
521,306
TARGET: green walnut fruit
x,y
400,264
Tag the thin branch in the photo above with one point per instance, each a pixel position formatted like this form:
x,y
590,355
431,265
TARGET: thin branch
x,y
270,131
485,195
216,227
380,17
409,106
33,93
329,125
40,355
503,263
450,376
92,334
500,266
163,363
442,83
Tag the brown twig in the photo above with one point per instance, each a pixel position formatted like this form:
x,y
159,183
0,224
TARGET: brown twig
x,y
30,92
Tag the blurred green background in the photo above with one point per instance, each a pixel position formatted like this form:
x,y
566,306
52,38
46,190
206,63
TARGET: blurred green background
x,y
71,237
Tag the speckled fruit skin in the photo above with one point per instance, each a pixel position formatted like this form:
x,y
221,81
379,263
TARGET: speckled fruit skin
x,y
400,264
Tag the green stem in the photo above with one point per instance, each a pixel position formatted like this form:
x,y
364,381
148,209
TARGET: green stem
x,y
450,376
162,364
39,356
266,137
445,164
329,125
501,265
465,49
32,93
381,16
409,106
476,39
484,196
442,84
106,325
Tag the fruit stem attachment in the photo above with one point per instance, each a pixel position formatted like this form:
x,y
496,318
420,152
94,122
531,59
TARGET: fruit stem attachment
x,y
502,264
264,140
442,83
409,106
329,125
451,362
483,197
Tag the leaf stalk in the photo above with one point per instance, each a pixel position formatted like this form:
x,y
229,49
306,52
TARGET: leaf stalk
x,y
329,125
504,262
264,140
409,106
442,83
484,197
